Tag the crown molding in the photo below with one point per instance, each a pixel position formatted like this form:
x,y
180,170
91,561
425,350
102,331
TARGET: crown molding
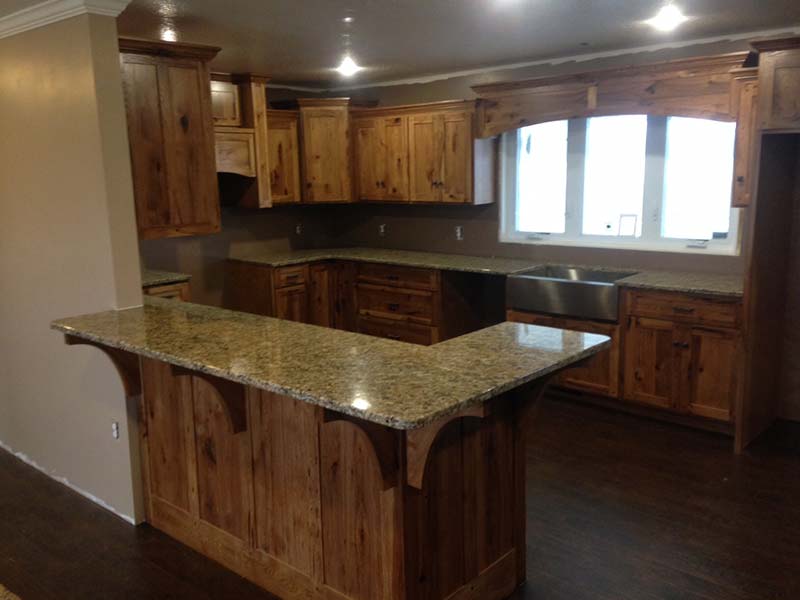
x,y
52,11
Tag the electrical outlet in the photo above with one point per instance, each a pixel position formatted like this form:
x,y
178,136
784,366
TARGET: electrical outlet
x,y
298,229
382,230
459,233
115,430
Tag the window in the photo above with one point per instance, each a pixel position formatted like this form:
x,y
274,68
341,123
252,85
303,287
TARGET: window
x,y
632,181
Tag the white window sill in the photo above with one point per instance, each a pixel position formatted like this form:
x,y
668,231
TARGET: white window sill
x,y
637,245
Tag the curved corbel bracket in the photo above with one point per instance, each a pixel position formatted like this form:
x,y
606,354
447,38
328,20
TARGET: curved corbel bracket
x,y
230,392
126,363
384,441
420,441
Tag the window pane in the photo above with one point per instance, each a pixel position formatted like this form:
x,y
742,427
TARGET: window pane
x,y
614,182
697,178
542,177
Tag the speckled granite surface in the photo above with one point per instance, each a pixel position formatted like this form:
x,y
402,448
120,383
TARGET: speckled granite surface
x,y
699,283
430,260
151,278
690,283
393,383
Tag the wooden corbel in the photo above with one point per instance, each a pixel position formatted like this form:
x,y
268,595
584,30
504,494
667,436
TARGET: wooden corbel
x,y
230,392
420,441
385,444
126,363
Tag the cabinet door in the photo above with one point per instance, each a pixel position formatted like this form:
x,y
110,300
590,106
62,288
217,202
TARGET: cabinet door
x,y
370,158
326,154
225,104
291,303
456,179
321,290
650,362
395,142
425,158
779,79
284,158
713,374
747,141
189,150
344,296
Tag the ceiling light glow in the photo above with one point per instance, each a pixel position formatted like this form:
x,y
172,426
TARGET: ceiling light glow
x,y
168,34
348,67
668,18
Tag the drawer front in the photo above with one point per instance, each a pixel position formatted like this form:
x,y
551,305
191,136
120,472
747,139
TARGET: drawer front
x,y
398,330
415,306
406,277
680,307
295,275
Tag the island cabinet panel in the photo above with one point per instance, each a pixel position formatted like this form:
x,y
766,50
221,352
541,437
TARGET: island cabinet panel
x,y
170,130
286,465
313,504
224,469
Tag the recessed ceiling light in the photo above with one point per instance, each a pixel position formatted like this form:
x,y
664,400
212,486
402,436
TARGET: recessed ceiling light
x,y
348,20
348,67
668,18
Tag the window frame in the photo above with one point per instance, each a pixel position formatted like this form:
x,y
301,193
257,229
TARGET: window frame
x,y
650,240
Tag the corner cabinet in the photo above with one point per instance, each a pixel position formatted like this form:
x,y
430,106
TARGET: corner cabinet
x,y
325,150
171,135
682,353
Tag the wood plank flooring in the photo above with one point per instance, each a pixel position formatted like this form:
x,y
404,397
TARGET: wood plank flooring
x,y
618,508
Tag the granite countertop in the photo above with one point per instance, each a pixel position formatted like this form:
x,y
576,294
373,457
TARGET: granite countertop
x,y
408,258
708,284
392,383
152,277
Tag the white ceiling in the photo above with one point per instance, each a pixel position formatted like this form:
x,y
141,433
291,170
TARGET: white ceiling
x,y
299,41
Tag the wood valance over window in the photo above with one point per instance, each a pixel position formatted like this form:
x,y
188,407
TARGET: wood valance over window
x,y
696,87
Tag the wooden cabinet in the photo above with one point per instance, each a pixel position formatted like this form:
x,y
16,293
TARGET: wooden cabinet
x,y
284,156
779,84
382,158
173,291
745,97
321,295
291,303
598,375
235,151
325,151
225,104
680,363
170,130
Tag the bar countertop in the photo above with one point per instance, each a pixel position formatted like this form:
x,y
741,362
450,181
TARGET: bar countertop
x,y
392,383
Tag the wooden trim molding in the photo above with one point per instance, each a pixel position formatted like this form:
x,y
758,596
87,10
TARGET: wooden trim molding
x,y
53,11
169,49
695,87
231,393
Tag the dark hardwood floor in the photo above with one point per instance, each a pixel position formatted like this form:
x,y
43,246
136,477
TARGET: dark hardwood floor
x,y
619,508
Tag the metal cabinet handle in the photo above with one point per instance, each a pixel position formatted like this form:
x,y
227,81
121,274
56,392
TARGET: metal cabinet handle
x,y
393,336
682,310
393,307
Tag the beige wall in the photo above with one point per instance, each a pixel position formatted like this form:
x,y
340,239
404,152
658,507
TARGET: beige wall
x,y
67,246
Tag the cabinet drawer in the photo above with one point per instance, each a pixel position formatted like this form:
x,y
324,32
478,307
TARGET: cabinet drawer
x,y
406,277
286,276
680,307
398,330
396,304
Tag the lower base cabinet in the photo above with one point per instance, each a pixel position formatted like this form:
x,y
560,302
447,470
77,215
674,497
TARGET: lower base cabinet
x,y
598,375
685,364
170,291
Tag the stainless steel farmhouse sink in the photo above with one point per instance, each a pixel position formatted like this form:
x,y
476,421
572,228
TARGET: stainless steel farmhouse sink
x,y
568,291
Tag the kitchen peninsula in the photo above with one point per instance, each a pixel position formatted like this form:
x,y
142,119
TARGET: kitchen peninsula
x,y
327,464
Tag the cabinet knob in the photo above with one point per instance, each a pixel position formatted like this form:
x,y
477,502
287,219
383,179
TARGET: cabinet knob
x,y
740,179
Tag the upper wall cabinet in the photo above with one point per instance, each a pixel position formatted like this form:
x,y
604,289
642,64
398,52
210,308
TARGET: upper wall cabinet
x,y
779,84
171,135
325,150
284,156
225,104
744,100
424,154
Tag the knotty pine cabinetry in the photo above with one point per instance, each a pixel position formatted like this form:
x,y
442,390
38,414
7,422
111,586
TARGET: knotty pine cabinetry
x,y
171,136
325,150
744,98
423,153
682,353
225,104
598,375
284,156
171,291
779,84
